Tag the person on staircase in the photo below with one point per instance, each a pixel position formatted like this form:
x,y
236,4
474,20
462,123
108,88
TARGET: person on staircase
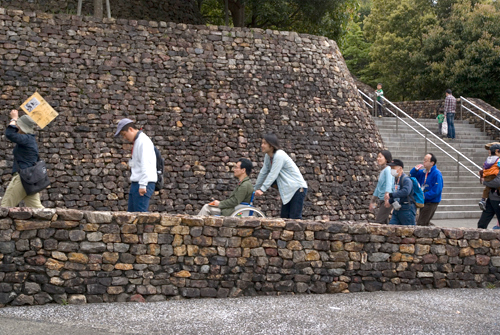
x,y
384,186
380,100
490,170
431,181
450,104
401,197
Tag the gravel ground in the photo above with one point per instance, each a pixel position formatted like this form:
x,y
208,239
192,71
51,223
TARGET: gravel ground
x,y
445,311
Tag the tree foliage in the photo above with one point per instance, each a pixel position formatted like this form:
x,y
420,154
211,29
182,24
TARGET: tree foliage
x,y
418,48
318,17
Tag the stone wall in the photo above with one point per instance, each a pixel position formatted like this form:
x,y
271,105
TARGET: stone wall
x,y
180,11
72,256
205,95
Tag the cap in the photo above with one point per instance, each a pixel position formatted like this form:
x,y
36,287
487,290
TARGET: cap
x,y
26,124
495,147
121,124
488,146
397,162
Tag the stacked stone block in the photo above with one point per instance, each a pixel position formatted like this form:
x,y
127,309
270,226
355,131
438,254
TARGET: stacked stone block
x,y
204,94
73,256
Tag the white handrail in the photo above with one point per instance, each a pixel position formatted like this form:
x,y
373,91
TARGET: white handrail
x,y
482,118
425,137
482,110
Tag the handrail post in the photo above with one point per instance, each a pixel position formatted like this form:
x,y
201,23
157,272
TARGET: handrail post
x,y
461,109
484,122
458,167
397,122
425,139
374,108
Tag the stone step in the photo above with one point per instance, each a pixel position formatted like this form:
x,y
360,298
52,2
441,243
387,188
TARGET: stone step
x,y
447,194
457,208
468,201
457,215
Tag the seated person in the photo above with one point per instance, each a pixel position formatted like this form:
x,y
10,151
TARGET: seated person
x,y
490,171
242,193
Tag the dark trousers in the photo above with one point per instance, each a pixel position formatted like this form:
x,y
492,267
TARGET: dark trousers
x,y
383,213
492,209
450,118
426,213
380,108
440,128
136,202
293,209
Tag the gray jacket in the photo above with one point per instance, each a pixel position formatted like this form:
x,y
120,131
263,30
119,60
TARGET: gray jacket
x,y
494,184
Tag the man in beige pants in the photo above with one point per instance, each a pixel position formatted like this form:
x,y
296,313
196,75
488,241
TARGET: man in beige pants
x,y
21,131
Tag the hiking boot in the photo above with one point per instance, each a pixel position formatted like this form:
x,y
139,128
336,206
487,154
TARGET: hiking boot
x,y
482,205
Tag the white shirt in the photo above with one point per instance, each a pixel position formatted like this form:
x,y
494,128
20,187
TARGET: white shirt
x,y
143,162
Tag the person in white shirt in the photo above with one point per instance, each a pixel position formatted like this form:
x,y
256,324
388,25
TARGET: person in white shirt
x,y
279,168
142,164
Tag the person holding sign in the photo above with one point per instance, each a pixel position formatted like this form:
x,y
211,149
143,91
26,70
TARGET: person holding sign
x,y
21,132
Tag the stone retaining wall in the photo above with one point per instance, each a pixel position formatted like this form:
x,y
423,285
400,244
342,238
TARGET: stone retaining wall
x,y
72,256
205,95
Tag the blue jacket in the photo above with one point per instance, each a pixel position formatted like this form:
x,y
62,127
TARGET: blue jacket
x,y
405,186
433,187
26,150
385,183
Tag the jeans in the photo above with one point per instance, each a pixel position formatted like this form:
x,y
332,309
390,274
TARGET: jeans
x,y
405,216
293,209
380,108
136,202
492,209
450,118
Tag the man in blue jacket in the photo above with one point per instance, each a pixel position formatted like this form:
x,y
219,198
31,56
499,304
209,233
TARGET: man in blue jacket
x,y
431,181
401,197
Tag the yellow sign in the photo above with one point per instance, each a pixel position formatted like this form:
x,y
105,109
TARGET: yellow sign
x,y
39,110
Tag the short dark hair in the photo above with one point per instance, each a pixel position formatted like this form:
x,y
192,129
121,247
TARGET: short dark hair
x,y
379,84
272,140
448,91
128,125
247,165
494,148
433,158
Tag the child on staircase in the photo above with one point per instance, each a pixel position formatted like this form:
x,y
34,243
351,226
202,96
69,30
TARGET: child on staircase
x,y
490,170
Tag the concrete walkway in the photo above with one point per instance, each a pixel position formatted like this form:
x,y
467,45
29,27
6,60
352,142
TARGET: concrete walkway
x,y
445,311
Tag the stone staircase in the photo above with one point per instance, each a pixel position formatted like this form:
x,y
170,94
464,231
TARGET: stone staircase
x,y
462,190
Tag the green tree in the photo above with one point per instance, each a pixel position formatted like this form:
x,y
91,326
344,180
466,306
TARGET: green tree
x,y
319,17
356,51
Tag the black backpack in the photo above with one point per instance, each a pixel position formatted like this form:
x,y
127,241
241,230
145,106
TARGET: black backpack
x,y
160,167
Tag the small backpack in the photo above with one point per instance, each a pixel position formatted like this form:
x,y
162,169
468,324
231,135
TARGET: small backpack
x,y
160,167
417,193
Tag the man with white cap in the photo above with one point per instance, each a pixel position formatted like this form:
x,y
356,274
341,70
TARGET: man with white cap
x,y
142,164
21,131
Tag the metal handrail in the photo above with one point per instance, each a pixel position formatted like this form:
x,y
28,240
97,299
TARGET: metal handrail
x,y
480,117
459,154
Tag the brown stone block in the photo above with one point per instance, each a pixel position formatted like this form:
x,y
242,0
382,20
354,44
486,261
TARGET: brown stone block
x,y
5,223
93,227
250,242
383,230
337,287
124,267
294,245
110,257
193,250
202,241
475,243
31,225
267,244
148,218
482,260
75,266
207,252
154,249
78,258
178,240
198,260
404,231
422,249
95,259
407,248
233,252
312,255
273,224
168,220
15,277
115,290
287,235
406,258
213,221
130,238
244,232
182,274
180,230
53,264
98,217
178,281
453,233
129,228
147,259
69,214
161,229
64,224
180,251
249,223
192,221
149,238
353,246
464,252
337,246
111,238
430,258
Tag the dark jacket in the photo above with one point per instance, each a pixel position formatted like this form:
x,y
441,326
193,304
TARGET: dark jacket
x,y
242,193
494,184
26,150
404,190
433,185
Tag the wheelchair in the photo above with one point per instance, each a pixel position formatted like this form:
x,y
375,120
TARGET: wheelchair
x,y
245,209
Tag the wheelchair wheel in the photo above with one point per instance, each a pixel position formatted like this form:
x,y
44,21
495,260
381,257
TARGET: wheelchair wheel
x,y
248,212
